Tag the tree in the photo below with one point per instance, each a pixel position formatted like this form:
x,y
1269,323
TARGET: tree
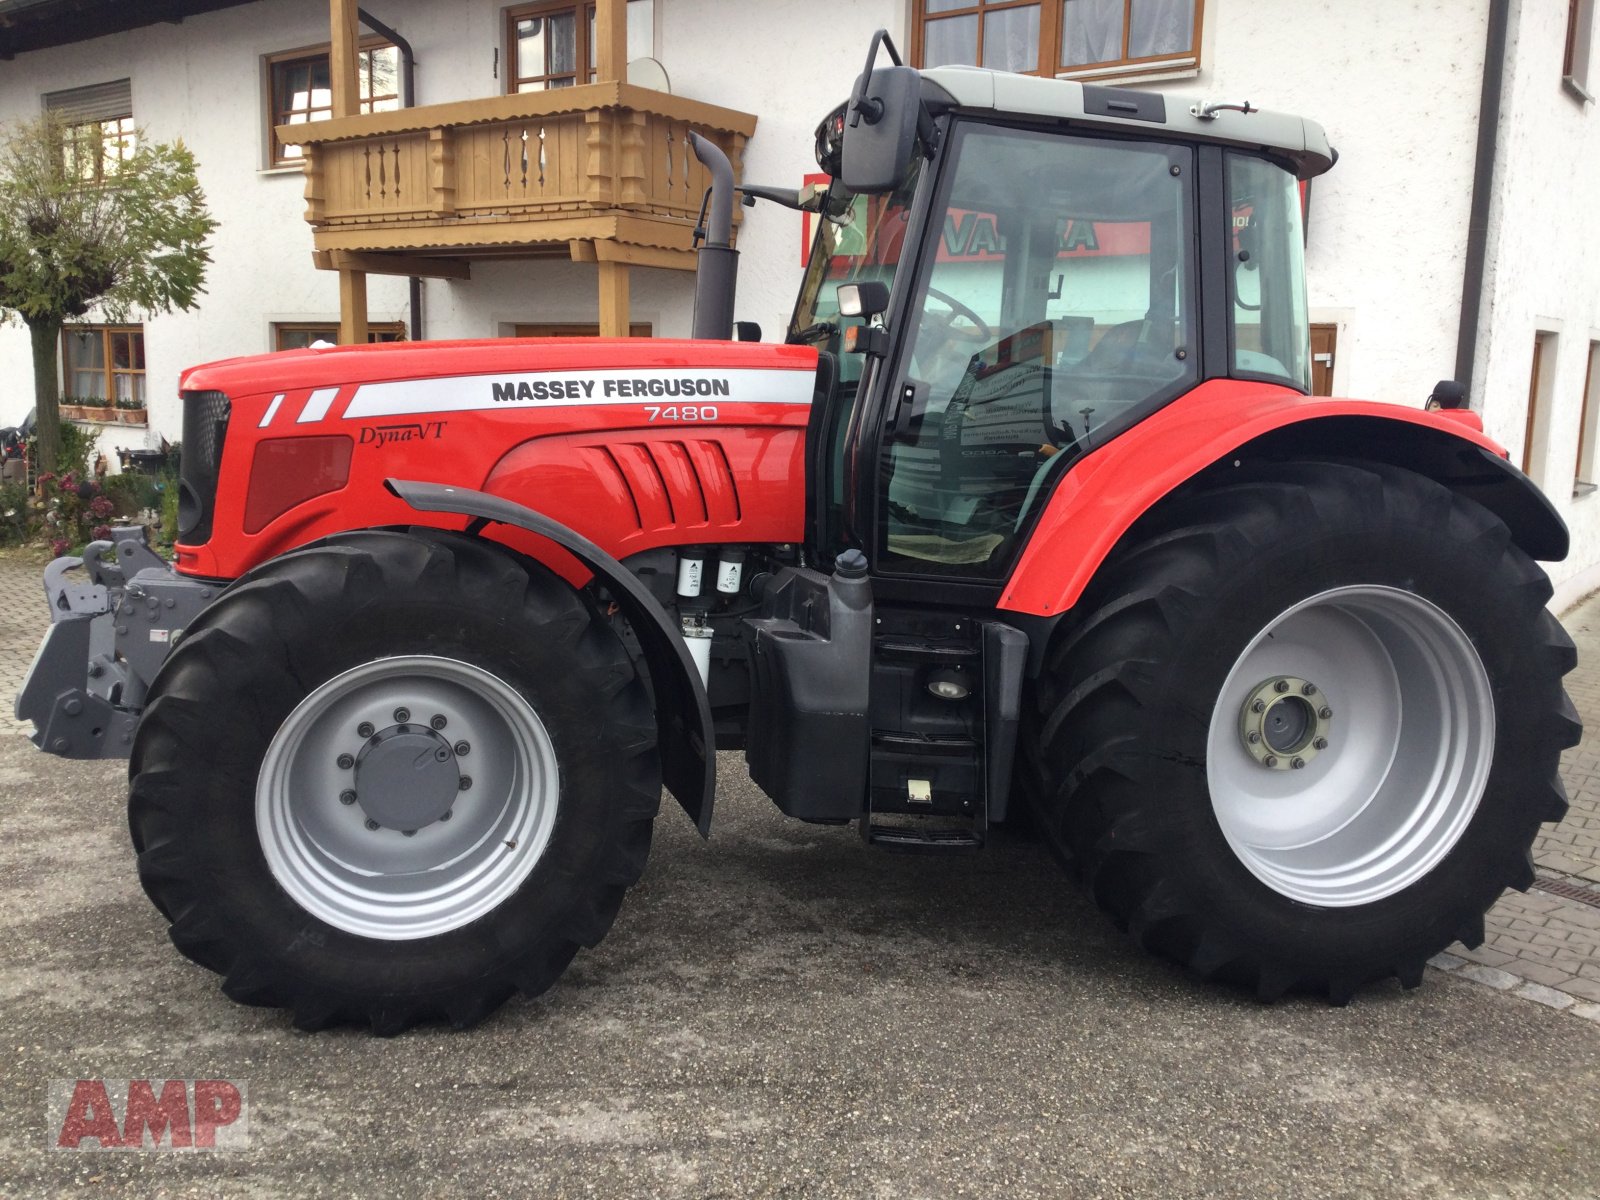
x,y
82,229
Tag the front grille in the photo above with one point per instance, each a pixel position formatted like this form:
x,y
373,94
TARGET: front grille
x,y
205,427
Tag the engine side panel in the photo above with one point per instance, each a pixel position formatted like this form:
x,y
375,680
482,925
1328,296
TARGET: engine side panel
x,y
632,443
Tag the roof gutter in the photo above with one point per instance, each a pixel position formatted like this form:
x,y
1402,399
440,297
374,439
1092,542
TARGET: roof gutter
x,y
1494,73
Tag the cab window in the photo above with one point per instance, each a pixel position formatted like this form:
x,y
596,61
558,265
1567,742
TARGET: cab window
x,y
1055,309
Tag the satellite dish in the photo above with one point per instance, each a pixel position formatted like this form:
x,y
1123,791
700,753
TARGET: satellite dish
x,y
649,73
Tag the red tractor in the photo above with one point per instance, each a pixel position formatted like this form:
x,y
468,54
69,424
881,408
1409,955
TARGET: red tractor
x,y
1032,508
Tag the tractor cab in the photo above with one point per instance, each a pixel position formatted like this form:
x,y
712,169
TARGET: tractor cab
x,y
1007,273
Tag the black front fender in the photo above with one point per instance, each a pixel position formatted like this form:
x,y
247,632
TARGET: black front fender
x,y
683,711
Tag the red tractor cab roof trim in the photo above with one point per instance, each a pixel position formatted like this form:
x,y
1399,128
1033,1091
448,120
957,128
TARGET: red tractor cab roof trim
x,y
1101,497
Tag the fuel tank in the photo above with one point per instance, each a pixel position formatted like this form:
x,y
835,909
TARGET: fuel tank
x,y
634,443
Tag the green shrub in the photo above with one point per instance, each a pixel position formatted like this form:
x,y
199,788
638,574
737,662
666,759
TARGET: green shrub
x,y
132,492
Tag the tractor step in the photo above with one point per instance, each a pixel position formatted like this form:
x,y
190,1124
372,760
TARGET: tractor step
x,y
935,839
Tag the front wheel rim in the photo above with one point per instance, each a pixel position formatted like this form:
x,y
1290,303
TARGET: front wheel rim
x,y
392,865
1408,743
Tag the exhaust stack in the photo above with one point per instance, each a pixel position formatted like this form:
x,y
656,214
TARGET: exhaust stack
x,y
717,268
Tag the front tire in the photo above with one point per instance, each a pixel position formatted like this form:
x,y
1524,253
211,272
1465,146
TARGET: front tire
x,y
393,777
1305,727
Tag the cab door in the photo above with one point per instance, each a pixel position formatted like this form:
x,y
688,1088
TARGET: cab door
x,y
1054,305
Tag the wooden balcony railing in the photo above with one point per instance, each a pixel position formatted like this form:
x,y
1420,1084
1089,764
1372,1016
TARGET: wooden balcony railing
x,y
605,161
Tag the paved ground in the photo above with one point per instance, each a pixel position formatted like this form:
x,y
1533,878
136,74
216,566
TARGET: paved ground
x,y
781,1012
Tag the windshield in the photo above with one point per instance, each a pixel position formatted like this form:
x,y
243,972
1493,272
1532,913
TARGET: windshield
x,y
859,238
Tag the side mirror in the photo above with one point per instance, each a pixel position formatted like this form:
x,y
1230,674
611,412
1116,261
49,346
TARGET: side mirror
x,y
867,299
881,129
1447,393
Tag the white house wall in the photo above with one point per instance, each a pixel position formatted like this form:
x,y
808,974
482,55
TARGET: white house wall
x,y
1544,274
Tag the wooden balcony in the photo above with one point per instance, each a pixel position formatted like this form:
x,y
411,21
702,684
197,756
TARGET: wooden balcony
x,y
601,172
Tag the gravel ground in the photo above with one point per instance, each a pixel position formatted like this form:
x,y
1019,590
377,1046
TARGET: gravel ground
x,y
780,1012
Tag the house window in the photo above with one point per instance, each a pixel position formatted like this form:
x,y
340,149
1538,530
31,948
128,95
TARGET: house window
x,y
297,335
100,135
301,87
545,43
1074,38
104,364
1541,381
1580,37
1585,478
637,329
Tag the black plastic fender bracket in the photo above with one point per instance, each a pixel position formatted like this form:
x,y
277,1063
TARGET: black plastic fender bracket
x,y
683,711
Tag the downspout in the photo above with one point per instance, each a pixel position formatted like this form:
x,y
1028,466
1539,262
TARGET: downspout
x,y
408,99
1494,73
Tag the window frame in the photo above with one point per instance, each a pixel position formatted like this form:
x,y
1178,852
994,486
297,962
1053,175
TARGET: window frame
x,y
584,52
1577,48
108,367
101,115
1584,470
271,64
1051,23
331,327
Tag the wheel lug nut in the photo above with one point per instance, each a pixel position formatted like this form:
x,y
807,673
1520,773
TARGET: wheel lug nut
x,y
402,715
1258,706
1272,760
1310,689
1281,686
347,797
371,824
447,814
1253,737
346,761
441,755
365,729
462,749
438,721
466,782
1324,712
1297,763
1321,743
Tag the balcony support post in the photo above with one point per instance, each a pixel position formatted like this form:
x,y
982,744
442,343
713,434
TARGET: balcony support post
x,y
614,307
352,307
611,38
344,44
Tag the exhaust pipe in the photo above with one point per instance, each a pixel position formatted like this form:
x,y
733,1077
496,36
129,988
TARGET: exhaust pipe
x,y
717,267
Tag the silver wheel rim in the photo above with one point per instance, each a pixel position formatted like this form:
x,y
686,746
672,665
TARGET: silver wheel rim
x,y
457,864
1409,739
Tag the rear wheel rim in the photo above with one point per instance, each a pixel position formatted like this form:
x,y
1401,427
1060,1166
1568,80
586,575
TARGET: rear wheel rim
x,y
410,859
1408,742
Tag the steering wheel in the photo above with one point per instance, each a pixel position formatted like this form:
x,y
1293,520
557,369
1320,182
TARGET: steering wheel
x,y
980,331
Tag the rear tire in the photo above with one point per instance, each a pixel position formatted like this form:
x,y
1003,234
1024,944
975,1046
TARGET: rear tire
x,y
1401,828
327,849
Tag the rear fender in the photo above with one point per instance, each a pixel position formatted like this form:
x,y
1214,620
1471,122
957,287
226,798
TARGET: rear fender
x,y
1222,421
683,711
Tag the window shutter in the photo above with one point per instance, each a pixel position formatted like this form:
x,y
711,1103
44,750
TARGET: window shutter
x,y
101,102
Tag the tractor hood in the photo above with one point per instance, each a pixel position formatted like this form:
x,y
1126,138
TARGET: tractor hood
x,y
290,371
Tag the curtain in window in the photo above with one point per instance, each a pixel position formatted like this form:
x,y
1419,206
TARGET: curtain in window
x,y
1091,31
1011,39
1160,27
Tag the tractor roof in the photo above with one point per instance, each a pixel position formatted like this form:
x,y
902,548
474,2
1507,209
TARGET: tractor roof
x,y
1303,142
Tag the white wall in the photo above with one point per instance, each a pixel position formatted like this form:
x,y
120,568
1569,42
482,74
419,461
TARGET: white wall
x,y
1544,273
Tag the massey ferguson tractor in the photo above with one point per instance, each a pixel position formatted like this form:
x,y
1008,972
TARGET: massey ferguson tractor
x,y
1032,509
